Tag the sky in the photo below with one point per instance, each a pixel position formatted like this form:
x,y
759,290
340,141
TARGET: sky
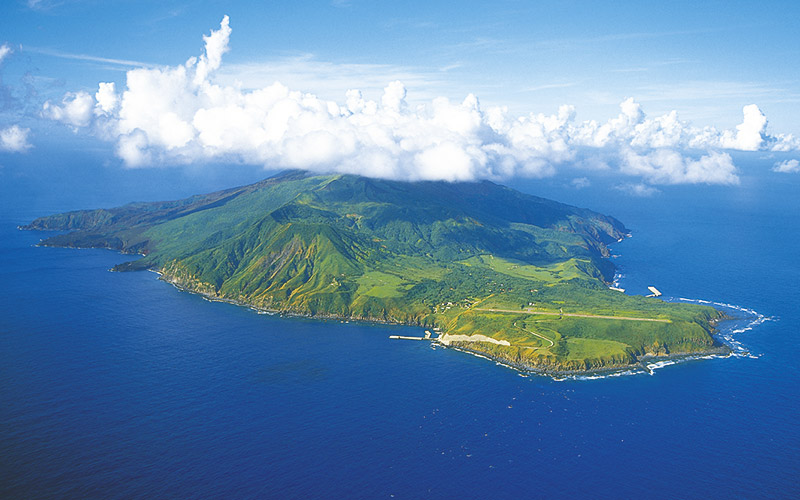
x,y
647,94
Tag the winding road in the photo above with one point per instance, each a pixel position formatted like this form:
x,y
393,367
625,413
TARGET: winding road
x,y
537,335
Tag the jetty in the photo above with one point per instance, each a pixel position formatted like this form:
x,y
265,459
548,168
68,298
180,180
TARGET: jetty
x,y
404,337
654,291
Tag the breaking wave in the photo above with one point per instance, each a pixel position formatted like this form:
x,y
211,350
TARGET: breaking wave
x,y
742,319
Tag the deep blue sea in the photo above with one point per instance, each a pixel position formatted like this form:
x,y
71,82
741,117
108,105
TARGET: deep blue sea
x,y
117,385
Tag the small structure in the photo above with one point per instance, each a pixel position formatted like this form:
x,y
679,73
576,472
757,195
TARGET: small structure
x,y
655,292
428,336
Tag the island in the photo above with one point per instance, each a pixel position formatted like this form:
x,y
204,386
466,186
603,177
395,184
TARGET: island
x,y
520,279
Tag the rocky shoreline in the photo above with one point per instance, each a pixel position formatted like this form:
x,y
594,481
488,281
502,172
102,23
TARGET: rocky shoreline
x,y
642,364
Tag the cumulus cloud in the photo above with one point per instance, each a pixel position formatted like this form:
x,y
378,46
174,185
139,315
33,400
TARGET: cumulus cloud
x,y
14,139
106,98
749,135
75,109
787,167
183,114
666,166
216,45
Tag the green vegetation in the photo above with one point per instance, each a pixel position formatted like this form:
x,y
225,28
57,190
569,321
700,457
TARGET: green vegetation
x,y
468,258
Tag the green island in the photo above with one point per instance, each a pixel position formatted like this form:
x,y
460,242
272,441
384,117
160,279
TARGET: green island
x,y
518,278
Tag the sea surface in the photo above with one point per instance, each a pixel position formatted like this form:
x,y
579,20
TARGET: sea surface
x,y
117,385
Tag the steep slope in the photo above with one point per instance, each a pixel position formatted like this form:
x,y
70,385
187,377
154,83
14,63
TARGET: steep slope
x,y
469,258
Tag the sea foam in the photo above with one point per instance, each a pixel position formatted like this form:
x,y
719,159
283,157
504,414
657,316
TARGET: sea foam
x,y
743,319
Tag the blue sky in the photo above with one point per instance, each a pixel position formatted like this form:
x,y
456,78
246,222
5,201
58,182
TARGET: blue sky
x,y
704,60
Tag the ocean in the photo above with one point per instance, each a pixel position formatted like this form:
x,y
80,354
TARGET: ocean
x,y
117,385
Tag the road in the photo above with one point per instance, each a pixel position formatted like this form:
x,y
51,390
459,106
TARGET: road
x,y
537,335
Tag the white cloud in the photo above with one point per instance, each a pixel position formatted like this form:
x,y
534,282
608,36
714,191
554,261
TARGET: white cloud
x,y
394,97
106,98
188,113
666,166
75,109
216,45
14,139
5,51
640,190
783,143
749,135
132,148
787,167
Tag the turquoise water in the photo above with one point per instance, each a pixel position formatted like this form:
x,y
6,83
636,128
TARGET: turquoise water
x,y
117,385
